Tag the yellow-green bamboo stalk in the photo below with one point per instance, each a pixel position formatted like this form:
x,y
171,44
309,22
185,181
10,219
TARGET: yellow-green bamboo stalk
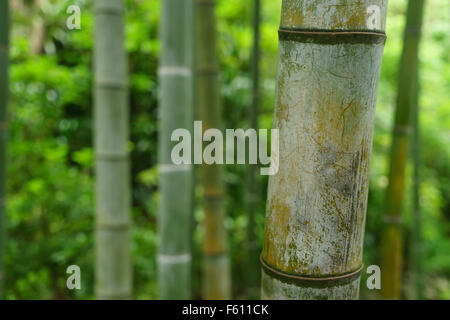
x,y
392,246
113,267
328,71
216,273
176,181
4,62
417,255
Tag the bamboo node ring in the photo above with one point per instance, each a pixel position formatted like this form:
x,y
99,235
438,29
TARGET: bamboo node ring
x,y
312,281
332,36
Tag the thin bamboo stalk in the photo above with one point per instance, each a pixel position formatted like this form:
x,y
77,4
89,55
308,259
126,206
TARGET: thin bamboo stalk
x,y
252,276
328,71
216,274
176,111
113,266
417,255
4,62
392,246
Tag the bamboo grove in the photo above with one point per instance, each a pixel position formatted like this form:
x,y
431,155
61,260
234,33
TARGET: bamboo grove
x,y
316,206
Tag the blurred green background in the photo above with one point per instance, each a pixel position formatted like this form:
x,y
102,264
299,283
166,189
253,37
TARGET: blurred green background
x,y
50,169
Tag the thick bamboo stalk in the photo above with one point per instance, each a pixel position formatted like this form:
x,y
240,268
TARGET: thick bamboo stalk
x,y
113,267
216,274
392,246
328,70
252,276
4,61
176,181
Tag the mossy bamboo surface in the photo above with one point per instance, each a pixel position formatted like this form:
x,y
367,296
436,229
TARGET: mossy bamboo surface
x,y
113,266
4,62
216,265
328,71
392,246
176,181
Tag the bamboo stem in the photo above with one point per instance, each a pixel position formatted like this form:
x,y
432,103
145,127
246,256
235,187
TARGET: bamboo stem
x,y
113,268
253,277
417,233
176,111
216,275
328,72
392,246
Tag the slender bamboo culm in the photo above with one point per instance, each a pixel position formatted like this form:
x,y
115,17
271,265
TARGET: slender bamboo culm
x,y
417,255
4,62
392,246
113,266
176,181
216,264
252,276
328,71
